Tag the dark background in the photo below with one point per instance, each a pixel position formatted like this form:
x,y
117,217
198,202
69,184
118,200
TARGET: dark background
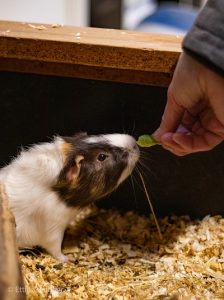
x,y
34,108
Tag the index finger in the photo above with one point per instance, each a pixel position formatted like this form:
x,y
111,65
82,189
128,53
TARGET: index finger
x,y
171,118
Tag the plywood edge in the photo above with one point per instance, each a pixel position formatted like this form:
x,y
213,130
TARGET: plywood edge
x,y
74,48
11,282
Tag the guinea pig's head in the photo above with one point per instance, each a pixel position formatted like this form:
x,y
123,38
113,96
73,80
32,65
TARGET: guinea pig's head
x,y
94,166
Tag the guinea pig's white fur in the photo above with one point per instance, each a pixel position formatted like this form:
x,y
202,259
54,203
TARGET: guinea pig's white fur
x,y
41,217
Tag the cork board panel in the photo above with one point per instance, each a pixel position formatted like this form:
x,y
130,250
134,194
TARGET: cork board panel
x,y
105,54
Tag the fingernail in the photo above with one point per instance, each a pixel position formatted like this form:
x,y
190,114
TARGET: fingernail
x,y
167,138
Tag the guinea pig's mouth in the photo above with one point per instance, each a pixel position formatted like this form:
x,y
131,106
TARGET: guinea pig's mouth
x,y
133,157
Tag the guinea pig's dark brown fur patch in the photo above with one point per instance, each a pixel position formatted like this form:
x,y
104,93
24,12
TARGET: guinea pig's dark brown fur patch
x,y
96,179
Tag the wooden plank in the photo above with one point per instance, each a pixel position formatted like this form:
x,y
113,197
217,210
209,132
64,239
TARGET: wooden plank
x,y
106,54
11,283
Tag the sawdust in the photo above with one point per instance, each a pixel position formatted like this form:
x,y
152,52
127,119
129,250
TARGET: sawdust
x,y
121,256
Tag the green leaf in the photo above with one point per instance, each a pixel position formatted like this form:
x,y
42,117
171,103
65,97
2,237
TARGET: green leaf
x,y
146,140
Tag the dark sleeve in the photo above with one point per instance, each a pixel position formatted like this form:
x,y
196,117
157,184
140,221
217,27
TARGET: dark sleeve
x,y
205,40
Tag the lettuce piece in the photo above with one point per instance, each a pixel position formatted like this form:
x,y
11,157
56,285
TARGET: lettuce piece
x,y
146,140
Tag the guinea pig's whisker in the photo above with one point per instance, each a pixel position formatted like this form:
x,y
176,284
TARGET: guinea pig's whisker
x,y
151,206
145,166
144,152
133,129
133,187
133,181
144,169
136,171
144,156
142,166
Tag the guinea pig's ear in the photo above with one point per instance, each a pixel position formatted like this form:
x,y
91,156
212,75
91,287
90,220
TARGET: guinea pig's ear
x,y
80,135
74,171
75,139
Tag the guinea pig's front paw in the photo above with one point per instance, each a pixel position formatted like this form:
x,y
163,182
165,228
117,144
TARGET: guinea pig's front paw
x,y
65,259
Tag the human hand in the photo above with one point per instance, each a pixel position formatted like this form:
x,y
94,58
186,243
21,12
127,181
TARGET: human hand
x,y
193,118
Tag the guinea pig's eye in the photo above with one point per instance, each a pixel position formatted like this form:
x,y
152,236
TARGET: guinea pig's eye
x,y
102,157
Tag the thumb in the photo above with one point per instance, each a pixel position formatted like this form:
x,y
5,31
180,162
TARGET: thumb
x,y
171,118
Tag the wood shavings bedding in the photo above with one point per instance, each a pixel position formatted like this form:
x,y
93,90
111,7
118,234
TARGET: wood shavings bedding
x,y
120,256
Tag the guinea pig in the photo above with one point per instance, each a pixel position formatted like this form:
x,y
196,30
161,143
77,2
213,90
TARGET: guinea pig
x,y
46,183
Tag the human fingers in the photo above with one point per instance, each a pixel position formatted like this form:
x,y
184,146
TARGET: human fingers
x,y
182,143
200,132
171,118
168,143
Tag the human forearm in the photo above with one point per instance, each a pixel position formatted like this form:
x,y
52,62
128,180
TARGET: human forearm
x,y
205,41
